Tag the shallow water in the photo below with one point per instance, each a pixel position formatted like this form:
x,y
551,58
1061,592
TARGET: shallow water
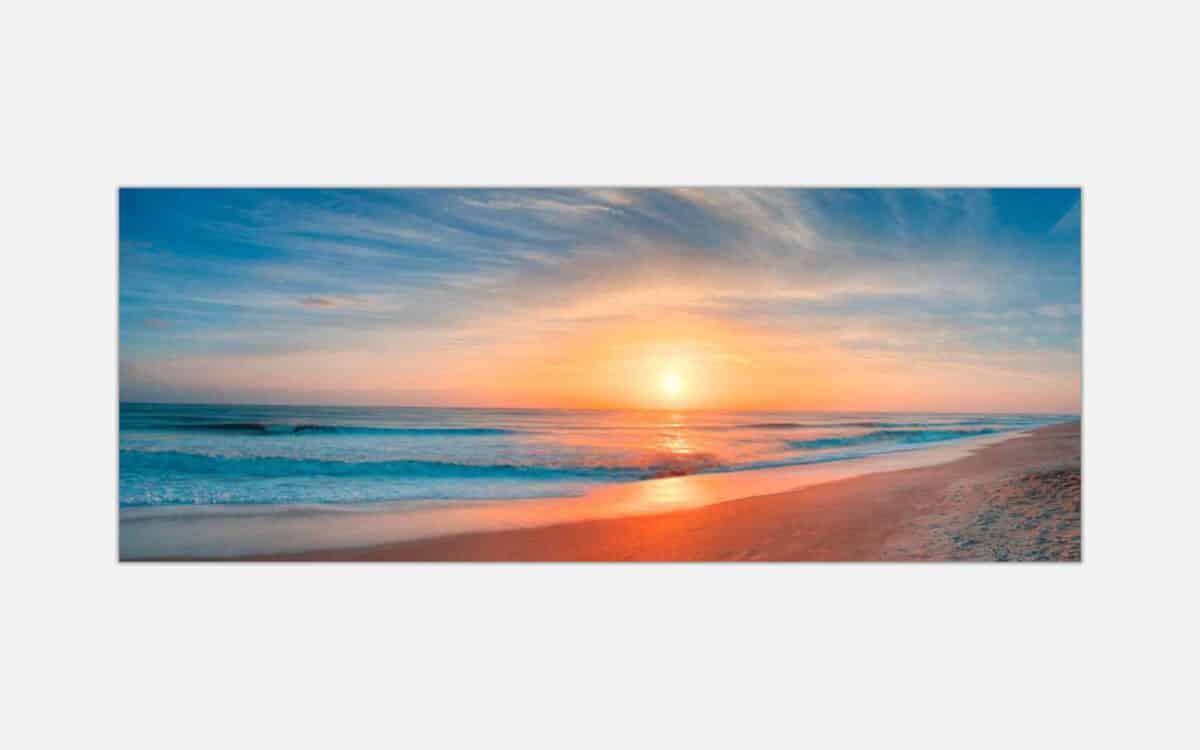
x,y
193,455
216,531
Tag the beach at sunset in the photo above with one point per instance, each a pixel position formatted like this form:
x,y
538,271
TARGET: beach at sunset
x,y
1016,500
599,374
1015,497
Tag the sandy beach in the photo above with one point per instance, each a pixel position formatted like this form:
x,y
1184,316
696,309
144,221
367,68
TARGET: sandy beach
x,y
1015,500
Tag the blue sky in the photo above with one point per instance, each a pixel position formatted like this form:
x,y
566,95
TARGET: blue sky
x,y
401,296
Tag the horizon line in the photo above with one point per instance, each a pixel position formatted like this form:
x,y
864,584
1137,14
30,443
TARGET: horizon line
x,y
122,402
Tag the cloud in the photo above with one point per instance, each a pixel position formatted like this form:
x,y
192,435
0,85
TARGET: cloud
x,y
533,203
322,303
1069,223
880,273
1058,311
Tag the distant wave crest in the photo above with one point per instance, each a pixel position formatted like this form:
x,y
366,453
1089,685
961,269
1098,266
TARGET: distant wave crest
x,y
806,425
178,462
906,437
272,428
841,425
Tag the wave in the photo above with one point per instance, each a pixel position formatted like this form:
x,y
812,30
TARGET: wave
x,y
177,462
274,428
906,437
651,465
950,424
807,425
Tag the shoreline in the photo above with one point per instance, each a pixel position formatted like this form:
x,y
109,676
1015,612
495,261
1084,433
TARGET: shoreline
x,y
950,511
830,512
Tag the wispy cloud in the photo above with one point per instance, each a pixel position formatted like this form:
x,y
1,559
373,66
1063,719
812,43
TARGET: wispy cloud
x,y
568,208
859,274
1058,311
1069,223
320,302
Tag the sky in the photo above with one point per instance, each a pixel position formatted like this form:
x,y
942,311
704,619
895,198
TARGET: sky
x,y
771,299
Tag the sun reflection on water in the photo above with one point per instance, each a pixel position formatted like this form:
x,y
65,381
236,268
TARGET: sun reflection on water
x,y
677,443
664,492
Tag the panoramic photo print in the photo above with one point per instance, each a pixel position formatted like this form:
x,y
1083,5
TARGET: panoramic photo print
x,y
600,374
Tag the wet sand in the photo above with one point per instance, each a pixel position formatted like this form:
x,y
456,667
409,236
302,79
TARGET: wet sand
x,y
1014,500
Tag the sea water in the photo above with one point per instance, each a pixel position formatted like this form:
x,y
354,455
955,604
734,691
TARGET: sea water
x,y
191,455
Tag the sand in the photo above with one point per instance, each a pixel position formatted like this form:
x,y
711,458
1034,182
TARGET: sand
x,y
1014,500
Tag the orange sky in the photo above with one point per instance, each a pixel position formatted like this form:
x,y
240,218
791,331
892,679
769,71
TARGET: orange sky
x,y
905,300
718,364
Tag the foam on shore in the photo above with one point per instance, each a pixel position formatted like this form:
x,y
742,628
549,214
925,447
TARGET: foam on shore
x,y
205,532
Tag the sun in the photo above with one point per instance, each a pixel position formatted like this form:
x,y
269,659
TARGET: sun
x,y
672,385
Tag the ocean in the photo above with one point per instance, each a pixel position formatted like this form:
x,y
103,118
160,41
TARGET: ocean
x,y
191,455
